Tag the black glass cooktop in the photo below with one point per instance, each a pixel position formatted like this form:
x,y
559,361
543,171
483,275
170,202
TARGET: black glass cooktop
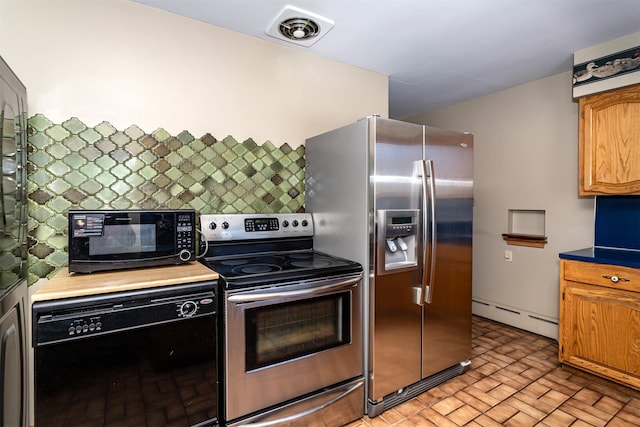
x,y
268,267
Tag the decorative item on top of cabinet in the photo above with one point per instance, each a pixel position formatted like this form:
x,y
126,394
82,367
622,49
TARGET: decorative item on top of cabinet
x,y
600,320
609,142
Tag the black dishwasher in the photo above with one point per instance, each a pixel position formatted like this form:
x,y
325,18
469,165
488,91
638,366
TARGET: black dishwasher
x,y
135,358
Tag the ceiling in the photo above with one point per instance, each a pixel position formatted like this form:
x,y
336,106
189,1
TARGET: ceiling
x,y
437,52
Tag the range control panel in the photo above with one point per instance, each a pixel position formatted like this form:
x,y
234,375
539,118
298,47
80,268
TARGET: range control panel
x,y
219,227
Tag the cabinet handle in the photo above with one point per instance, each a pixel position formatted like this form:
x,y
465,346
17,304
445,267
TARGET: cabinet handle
x,y
616,279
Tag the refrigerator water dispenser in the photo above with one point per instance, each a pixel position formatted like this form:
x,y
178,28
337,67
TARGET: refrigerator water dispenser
x,y
397,240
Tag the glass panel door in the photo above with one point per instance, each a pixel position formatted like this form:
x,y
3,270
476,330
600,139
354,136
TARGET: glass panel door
x,y
283,332
13,174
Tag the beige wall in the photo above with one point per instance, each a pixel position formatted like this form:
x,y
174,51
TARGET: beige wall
x,y
126,63
525,157
129,64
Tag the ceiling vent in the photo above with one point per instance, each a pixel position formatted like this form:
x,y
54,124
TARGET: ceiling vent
x,y
299,26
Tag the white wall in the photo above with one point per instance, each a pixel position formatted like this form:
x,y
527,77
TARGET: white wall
x,y
126,63
525,157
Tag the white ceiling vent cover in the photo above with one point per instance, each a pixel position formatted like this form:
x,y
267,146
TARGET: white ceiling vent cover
x,y
299,26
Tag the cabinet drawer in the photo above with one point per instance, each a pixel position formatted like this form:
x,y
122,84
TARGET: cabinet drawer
x,y
610,276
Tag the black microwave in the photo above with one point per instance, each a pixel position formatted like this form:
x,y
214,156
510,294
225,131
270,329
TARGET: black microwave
x,y
105,240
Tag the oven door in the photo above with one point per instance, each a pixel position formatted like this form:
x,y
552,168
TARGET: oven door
x,y
286,341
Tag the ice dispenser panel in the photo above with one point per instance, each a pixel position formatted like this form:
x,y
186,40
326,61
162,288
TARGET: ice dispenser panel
x,y
397,245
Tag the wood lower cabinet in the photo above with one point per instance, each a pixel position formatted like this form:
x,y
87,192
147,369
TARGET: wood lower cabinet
x,y
600,320
609,142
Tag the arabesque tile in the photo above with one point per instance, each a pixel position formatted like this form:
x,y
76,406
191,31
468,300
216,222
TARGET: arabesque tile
x,y
72,165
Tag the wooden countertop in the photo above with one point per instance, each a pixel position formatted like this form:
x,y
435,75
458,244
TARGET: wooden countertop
x,y
67,285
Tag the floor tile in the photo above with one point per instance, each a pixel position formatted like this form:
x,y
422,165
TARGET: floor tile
x,y
515,380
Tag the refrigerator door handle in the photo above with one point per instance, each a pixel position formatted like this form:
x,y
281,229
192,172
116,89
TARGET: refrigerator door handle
x,y
3,217
429,229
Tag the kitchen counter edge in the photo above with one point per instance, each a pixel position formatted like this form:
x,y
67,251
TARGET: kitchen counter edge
x,y
69,285
621,257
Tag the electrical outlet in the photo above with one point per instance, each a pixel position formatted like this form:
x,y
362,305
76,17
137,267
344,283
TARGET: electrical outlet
x,y
508,256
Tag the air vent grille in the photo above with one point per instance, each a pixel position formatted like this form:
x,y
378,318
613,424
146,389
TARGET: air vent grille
x,y
299,28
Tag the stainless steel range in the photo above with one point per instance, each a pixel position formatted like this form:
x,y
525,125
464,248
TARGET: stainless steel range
x,y
292,328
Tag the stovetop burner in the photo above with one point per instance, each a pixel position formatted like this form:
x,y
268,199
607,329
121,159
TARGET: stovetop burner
x,y
312,262
256,269
271,262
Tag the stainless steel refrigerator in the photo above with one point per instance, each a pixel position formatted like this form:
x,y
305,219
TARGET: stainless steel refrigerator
x,y
13,249
398,198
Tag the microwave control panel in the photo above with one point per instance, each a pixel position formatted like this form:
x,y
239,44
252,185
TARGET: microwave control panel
x,y
185,231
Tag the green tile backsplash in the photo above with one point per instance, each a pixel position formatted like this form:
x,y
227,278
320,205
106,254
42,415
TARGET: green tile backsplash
x,y
73,166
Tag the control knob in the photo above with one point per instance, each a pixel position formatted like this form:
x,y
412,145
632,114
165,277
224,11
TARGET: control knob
x,y
184,255
225,225
213,225
285,223
188,308
294,223
305,222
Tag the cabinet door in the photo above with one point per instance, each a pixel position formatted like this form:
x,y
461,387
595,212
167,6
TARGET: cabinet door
x,y
600,331
609,142
12,368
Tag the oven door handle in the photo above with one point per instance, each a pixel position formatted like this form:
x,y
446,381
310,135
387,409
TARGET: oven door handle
x,y
330,285
348,389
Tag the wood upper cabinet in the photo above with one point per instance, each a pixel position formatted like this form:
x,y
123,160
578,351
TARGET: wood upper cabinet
x,y
609,142
600,320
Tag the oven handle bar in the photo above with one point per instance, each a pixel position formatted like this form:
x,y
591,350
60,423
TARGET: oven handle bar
x,y
294,417
331,285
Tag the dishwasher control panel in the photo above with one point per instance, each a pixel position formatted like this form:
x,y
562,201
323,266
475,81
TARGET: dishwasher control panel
x,y
79,326
73,318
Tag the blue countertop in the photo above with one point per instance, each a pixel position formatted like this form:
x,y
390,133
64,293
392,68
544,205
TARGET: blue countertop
x,y
622,257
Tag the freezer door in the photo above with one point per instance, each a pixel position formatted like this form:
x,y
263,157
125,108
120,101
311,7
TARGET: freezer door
x,y
13,357
13,249
395,312
13,253
446,327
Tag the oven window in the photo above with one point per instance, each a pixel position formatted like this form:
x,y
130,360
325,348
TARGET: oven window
x,y
278,333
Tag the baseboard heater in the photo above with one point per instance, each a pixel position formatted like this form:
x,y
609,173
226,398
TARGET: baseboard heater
x,y
393,399
517,318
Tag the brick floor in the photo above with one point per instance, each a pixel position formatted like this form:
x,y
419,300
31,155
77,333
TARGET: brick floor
x,y
515,380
